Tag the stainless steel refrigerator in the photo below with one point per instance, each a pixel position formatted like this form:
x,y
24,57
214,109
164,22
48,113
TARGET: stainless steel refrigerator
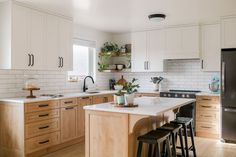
x,y
228,94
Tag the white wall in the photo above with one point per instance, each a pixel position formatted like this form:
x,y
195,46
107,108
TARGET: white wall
x,y
12,81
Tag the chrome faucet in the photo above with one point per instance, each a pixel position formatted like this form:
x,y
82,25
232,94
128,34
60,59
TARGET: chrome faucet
x,y
84,87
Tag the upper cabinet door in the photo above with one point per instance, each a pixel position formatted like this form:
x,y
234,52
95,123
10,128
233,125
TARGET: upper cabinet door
x,y
156,48
20,45
211,47
229,33
139,52
52,43
182,42
65,44
37,39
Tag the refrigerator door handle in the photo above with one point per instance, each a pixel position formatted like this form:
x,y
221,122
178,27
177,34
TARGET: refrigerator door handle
x,y
223,78
229,110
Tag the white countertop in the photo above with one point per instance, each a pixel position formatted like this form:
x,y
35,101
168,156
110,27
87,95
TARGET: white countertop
x,y
150,106
207,94
45,98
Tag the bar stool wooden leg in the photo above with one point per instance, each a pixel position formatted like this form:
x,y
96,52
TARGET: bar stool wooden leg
x,y
192,139
174,145
186,140
158,151
150,150
168,148
181,142
140,145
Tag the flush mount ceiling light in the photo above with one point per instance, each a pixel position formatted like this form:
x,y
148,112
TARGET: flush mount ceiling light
x,y
157,17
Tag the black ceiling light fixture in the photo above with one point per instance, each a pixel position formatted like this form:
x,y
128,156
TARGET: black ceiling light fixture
x,y
157,17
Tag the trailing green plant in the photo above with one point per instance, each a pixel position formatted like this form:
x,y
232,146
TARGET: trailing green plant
x,y
102,66
131,87
110,47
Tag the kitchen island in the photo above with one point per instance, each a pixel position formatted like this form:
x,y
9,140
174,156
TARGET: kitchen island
x,y
112,131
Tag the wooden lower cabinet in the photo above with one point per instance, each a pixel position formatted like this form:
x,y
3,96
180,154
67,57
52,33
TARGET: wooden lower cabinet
x,y
208,116
68,123
84,101
102,98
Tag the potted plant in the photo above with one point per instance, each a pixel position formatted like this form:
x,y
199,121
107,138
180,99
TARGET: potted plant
x,y
119,98
130,88
156,81
109,48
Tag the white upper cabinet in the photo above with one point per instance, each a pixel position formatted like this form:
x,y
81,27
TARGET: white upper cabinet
x,y
147,50
139,52
182,43
228,32
33,39
156,47
210,53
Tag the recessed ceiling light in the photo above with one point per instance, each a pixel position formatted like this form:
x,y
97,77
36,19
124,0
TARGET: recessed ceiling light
x,y
157,17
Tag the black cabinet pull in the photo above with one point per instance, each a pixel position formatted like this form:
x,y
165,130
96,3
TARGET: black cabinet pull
x,y
43,105
43,142
62,61
206,127
43,115
68,102
59,62
206,106
85,98
32,60
202,64
207,99
43,127
29,64
69,108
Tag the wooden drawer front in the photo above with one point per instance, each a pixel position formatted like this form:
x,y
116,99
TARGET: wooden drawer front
x,y
42,115
207,127
207,116
208,99
68,102
85,101
43,127
42,142
208,107
40,106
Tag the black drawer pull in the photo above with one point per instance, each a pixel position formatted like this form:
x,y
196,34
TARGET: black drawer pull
x,y
206,127
43,142
206,106
68,102
43,127
43,115
44,105
207,99
69,108
206,116
85,98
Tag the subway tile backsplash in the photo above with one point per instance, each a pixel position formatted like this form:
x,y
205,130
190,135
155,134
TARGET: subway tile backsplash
x,y
179,74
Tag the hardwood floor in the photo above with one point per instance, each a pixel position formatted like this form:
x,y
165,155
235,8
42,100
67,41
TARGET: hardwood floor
x,y
205,148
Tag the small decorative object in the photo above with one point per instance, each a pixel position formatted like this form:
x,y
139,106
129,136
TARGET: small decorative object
x,y
31,92
118,87
123,49
215,84
119,98
122,81
128,48
130,88
156,81
119,66
110,47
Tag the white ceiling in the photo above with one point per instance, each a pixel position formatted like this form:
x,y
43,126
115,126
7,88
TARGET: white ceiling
x,y
128,15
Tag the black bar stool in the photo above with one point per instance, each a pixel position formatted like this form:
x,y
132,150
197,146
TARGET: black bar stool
x,y
174,130
187,122
154,138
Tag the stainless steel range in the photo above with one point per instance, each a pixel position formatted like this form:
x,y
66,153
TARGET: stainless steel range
x,y
187,110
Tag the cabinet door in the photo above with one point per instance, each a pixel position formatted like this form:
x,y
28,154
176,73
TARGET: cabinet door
x,y
65,44
229,33
81,115
190,42
173,43
139,51
68,123
155,50
210,47
37,38
51,58
20,37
